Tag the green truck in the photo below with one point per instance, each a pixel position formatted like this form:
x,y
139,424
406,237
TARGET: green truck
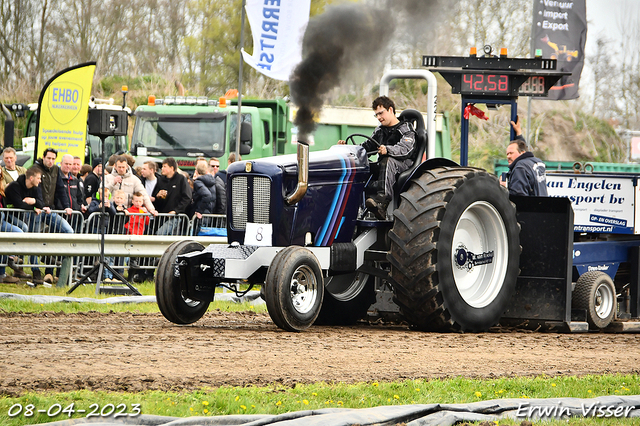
x,y
188,127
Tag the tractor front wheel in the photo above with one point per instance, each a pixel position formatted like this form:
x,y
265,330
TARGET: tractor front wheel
x,y
294,289
173,304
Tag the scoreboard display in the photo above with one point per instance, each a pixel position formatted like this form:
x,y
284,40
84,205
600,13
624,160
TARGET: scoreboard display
x,y
496,77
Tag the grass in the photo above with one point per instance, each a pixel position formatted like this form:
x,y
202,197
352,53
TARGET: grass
x,y
147,289
278,399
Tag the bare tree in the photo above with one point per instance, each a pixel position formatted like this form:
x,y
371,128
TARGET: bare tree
x,y
491,22
603,68
14,16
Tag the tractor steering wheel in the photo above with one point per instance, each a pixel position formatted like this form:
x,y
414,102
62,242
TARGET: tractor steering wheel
x,y
375,142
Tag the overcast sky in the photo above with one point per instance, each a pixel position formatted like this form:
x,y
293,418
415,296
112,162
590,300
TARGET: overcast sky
x,y
604,18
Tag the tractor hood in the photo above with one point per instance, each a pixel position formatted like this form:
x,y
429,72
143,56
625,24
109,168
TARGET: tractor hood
x,y
331,163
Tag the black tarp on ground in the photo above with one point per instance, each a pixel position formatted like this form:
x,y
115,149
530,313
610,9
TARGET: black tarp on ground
x,y
412,415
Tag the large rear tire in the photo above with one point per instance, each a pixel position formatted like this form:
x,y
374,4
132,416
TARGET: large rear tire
x,y
294,288
595,293
173,304
455,250
350,300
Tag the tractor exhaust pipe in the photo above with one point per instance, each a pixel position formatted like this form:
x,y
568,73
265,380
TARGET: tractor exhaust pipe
x,y
303,174
8,127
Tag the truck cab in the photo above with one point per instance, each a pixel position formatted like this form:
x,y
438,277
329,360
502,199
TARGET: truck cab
x,y
190,127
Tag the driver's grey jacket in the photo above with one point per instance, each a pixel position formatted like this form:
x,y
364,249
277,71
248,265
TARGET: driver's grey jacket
x,y
400,140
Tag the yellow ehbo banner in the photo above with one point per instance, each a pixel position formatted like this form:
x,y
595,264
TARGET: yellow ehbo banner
x,y
62,111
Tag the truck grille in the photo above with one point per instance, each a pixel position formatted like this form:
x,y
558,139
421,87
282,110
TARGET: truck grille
x,y
251,200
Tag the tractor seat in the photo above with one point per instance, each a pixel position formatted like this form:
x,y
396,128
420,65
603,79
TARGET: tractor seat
x,y
415,118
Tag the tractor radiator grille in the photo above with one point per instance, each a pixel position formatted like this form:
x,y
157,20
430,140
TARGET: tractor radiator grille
x,y
251,198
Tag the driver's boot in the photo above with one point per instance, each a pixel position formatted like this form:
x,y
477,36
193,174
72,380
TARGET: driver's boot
x,y
378,205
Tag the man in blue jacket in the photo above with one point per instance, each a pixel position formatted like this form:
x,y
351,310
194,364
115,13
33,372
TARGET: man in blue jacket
x,y
527,174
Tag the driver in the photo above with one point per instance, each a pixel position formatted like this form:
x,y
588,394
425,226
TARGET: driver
x,y
394,141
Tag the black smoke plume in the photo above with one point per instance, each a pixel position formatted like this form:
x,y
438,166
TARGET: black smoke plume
x,y
343,38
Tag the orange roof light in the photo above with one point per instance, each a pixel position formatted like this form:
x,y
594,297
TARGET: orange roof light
x,y
473,51
222,102
503,52
152,100
125,89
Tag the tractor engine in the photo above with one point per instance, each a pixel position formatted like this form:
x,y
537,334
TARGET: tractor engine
x,y
257,193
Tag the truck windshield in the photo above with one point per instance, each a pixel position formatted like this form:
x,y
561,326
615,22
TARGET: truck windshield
x,y
112,145
172,135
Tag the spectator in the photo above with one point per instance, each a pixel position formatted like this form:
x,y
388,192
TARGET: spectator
x,y
5,226
77,165
204,191
84,172
149,177
11,170
136,226
527,174
24,194
204,195
203,161
123,178
72,195
214,165
96,206
120,201
9,173
50,188
172,194
221,186
111,162
92,181
50,175
131,161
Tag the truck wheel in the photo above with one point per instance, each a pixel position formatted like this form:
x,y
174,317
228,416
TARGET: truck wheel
x,y
455,248
596,293
294,289
349,302
172,303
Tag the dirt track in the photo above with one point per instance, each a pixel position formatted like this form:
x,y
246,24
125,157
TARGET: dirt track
x,y
134,352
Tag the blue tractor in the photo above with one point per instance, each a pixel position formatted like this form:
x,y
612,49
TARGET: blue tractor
x,y
297,227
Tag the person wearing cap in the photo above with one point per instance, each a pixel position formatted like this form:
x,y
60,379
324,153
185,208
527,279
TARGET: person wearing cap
x,y
92,181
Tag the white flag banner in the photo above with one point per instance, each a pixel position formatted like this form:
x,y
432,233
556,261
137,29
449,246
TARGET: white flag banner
x,y
278,27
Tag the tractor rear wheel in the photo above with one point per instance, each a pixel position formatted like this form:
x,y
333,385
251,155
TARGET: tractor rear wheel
x,y
173,304
455,250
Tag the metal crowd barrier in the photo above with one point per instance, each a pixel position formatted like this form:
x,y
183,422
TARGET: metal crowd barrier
x,y
120,224
134,224
56,222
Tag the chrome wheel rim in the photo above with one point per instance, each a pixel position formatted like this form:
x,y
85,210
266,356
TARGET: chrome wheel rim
x,y
480,254
303,289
